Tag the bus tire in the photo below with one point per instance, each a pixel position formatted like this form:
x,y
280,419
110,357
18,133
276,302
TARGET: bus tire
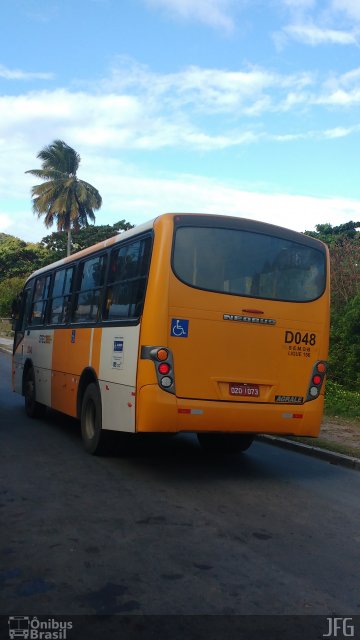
x,y
93,436
225,442
33,408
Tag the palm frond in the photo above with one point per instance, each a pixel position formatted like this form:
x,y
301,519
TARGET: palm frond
x,y
58,155
93,197
47,174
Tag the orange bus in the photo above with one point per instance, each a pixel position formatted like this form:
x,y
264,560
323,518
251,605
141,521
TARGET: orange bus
x,y
190,323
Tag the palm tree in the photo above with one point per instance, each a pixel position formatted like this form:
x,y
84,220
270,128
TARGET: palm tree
x,y
62,197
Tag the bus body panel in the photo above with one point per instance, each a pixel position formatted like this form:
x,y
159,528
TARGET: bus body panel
x,y
36,348
59,357
163,412
216,352
117,376
277,357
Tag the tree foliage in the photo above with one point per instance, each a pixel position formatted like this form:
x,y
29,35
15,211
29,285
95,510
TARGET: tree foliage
x,y
336,235
9,291
63,198
344,244
345,344
86,237
19,259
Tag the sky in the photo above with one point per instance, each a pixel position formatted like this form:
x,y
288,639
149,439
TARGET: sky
x,y
240,107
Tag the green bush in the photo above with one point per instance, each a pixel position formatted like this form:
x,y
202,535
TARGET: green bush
x,y
345,345
9,289
341,402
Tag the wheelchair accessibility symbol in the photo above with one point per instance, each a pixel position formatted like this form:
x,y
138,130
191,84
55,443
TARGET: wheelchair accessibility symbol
x,y
179,328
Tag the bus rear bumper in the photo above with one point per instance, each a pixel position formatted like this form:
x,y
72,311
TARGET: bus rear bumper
x,y
158,411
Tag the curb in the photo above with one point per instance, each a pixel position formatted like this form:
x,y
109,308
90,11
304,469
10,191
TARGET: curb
x,y
306,449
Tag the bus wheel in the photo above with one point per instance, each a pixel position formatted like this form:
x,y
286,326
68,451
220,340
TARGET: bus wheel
x,y
33,409
94,438
225,442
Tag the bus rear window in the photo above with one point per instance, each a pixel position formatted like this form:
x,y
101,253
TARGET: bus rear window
x,y
248,264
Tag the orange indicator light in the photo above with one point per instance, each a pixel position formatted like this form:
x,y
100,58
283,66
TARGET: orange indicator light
x,y
162,354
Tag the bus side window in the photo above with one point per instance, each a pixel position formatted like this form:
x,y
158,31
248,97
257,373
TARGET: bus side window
x,y
89,288
129,267
40,298
61,296
24,310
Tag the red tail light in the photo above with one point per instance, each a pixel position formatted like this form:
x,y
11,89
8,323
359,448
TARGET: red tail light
x,y
164,368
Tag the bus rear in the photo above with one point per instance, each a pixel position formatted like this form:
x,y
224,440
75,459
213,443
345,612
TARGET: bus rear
x,y
235,329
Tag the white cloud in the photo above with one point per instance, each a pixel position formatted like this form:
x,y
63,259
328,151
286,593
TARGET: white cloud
x,y
314,23
5,222
350,7
196,108
209,91
215,13
341,91
340,98
300,4
18,74
315,35
106,121
340,132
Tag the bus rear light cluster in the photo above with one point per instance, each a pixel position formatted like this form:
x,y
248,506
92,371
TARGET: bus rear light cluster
x,y
316,381
164,367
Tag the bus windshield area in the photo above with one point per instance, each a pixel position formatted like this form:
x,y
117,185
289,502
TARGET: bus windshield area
x,y
250,264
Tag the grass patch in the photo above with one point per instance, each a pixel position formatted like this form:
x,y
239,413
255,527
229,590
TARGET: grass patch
x,y
329,445
341,402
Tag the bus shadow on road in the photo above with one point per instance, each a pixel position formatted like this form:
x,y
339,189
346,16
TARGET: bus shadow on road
x,y
171,454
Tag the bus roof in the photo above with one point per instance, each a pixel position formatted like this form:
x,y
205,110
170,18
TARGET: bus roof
x,y
142,228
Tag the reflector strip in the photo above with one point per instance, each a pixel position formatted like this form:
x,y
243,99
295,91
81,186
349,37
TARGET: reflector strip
x,y
196,412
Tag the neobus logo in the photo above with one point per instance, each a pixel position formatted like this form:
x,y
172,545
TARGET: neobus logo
x,y
251,319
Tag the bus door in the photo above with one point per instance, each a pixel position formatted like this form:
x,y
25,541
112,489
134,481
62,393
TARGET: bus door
x,y
20,353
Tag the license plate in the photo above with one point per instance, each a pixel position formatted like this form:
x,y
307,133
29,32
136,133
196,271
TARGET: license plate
x,y
243,389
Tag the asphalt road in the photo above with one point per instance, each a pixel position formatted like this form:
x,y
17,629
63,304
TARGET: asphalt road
x,y
163,529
